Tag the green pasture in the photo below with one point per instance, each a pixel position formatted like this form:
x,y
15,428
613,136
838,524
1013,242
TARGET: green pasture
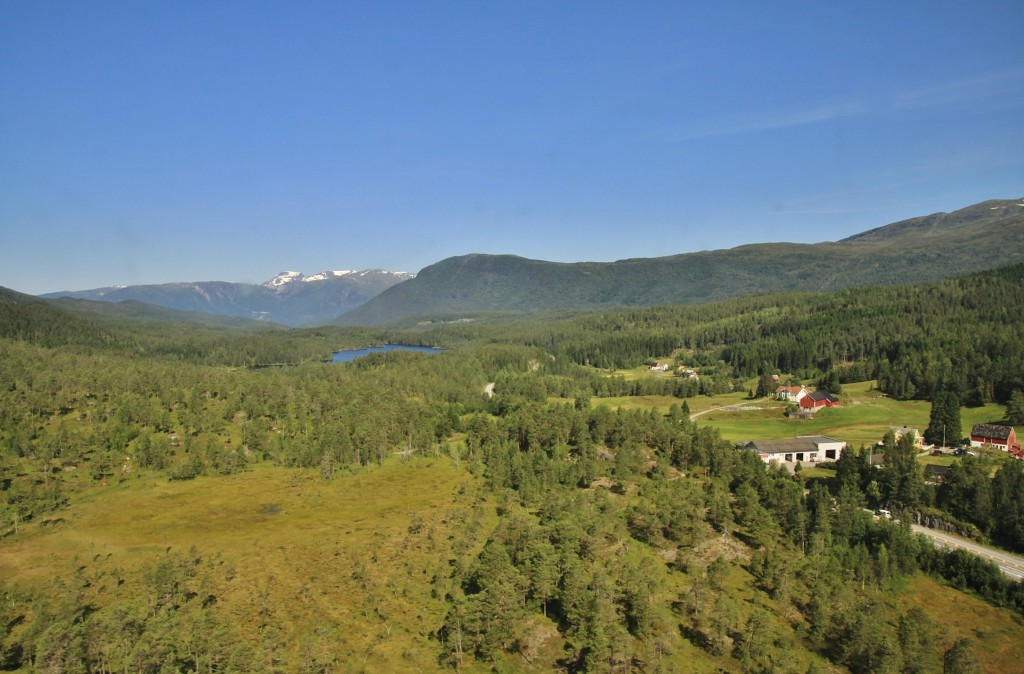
x,y
986,414
857,425
642,372
662,403
862,418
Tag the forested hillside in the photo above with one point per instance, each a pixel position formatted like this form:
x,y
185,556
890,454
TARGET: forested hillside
x,y
982,236
200,498
963,335
147,331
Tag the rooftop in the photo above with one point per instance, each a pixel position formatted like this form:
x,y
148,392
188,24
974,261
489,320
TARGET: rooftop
x,y
803,443
991,431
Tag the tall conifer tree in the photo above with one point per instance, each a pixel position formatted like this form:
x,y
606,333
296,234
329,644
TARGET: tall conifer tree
x,y
944,422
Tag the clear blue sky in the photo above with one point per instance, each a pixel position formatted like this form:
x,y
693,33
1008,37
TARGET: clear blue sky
x,y
148,142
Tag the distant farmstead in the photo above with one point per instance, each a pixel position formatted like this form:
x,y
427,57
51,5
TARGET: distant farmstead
x,y
791,394
1003,437
820,398
801,449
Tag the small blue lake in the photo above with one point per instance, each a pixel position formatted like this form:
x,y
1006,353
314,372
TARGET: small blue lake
x,y
349,355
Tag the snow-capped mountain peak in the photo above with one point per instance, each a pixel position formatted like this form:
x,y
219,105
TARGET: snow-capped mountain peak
x,y
286,277
283,278
324,275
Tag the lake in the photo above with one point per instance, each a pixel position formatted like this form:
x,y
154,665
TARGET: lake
x,y
348,355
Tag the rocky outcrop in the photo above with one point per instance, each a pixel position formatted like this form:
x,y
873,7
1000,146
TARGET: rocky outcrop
x,y
946,524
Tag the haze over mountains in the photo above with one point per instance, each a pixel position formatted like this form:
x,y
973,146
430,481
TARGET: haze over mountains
x,y
932,247
290,298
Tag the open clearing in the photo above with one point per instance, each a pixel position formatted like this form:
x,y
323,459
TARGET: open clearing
x,y
996,632
327,558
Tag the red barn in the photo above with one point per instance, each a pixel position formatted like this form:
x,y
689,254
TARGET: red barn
x,y
1003,437
820,398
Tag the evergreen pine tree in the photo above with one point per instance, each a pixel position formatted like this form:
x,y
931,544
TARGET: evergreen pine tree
x,y
944,422
1015,408
960,658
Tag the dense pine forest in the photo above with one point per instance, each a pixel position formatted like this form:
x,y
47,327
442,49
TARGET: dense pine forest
x,y
535,529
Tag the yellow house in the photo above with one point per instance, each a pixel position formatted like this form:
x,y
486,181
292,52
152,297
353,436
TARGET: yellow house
x,y
900,431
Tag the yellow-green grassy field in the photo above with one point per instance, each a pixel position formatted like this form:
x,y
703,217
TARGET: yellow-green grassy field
x,y
358,555
996,632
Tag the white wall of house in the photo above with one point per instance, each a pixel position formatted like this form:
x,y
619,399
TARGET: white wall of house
x,y
792,457
789,396
831,451
820,449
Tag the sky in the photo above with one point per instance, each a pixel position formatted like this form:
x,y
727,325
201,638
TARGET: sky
x,y
153,142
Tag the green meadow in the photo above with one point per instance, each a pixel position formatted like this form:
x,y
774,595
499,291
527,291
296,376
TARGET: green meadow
x,y
996,632
862,418
355,566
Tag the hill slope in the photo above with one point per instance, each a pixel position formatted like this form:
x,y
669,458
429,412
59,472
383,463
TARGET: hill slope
x,y
26,318
933,247
137,330
133,310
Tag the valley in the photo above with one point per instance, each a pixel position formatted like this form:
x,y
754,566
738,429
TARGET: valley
x,y
467,287
218,498
707,356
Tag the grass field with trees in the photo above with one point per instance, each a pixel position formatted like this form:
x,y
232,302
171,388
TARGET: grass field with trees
x,y
206,498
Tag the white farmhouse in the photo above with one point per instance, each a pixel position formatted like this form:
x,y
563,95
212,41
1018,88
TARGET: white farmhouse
x,y
791,394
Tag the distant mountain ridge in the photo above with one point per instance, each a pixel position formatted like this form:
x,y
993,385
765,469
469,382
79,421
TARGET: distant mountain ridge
x,y
928,248
353,275
985,214
290,298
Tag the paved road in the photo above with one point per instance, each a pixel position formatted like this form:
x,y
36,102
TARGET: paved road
x,y
1011,565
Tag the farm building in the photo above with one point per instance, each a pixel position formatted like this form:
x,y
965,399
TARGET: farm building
x,y
1003,437
820,398
801,449
791,394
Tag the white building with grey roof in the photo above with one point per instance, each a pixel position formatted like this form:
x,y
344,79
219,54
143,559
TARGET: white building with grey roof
x,y
801,449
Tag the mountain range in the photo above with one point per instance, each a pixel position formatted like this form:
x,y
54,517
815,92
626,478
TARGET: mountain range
x,y
290,298
928,248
